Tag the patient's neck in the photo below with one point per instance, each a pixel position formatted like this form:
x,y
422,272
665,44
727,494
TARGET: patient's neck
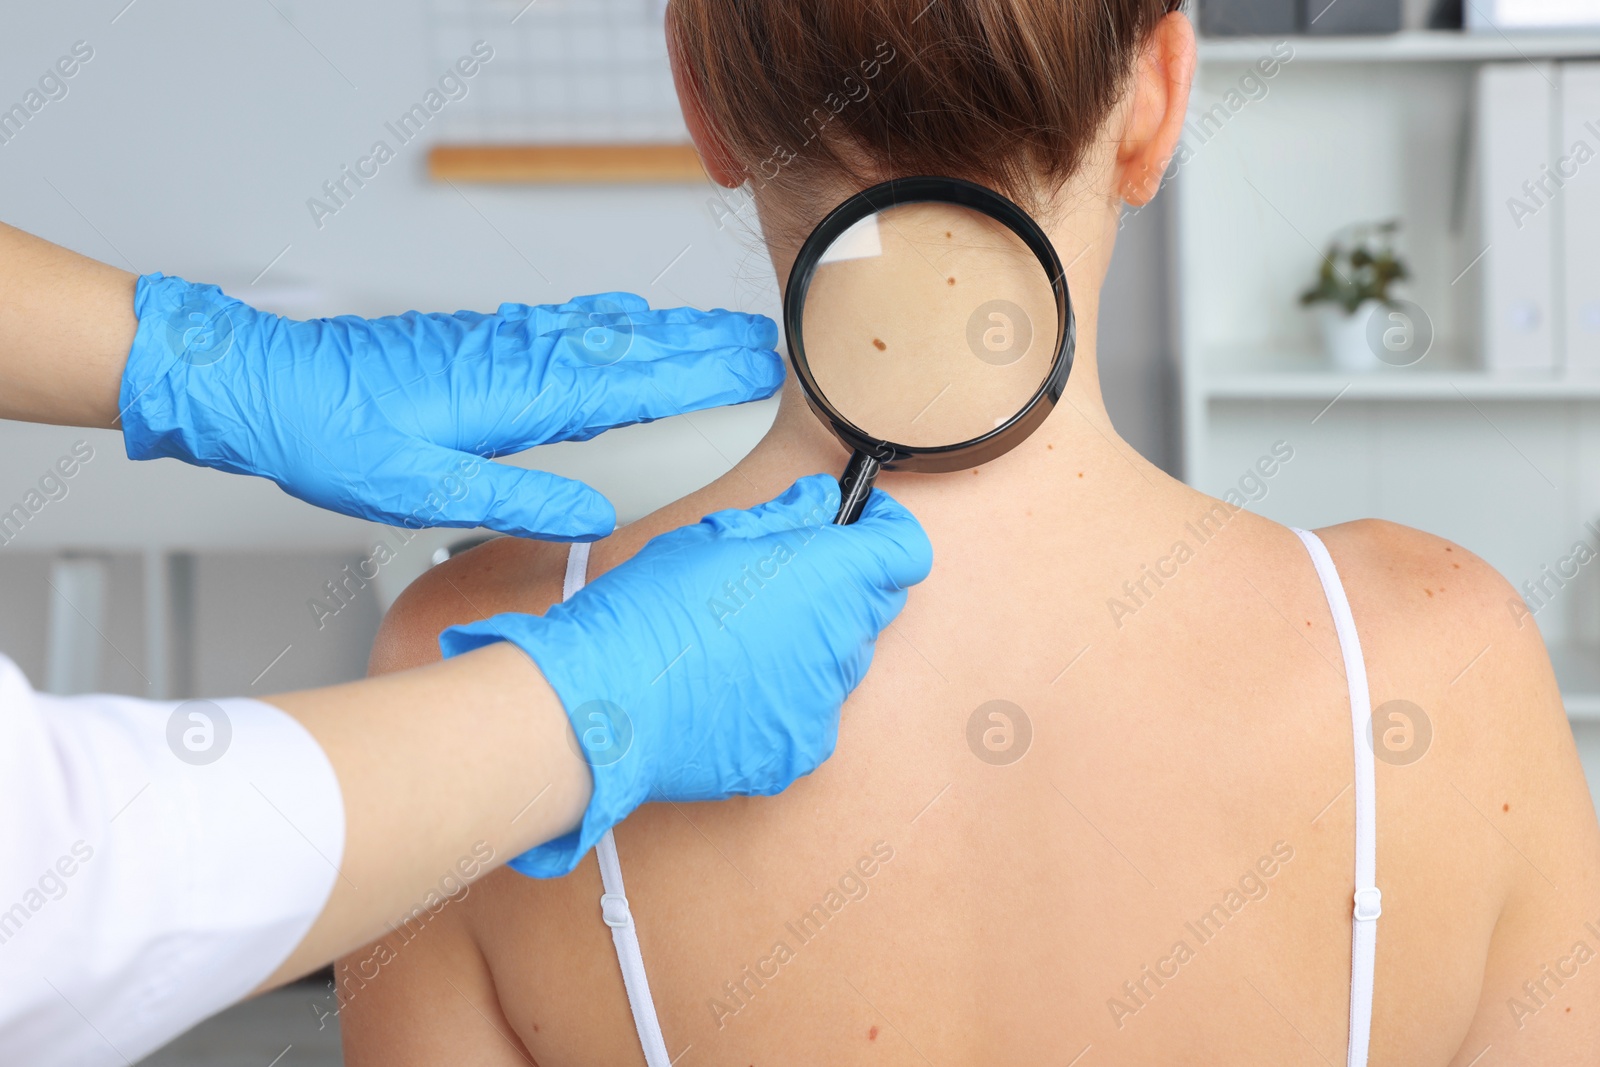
x,y
1077,434
1079,431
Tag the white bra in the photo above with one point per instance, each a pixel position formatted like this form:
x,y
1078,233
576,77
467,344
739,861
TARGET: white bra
x,y
615,912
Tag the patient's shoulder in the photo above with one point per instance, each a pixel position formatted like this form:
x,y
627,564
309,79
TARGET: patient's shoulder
x,y
1397,576
1441,627
1418,573
505,574
1445,599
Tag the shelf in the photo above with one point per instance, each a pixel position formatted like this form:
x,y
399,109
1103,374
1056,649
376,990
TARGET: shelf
x,y
1578,674
1301,375
1396,385
1408,46
567,164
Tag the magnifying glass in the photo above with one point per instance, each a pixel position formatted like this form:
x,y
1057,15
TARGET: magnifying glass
x,y
930,327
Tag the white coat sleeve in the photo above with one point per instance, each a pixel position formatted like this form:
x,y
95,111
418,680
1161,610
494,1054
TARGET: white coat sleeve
x,y
160,860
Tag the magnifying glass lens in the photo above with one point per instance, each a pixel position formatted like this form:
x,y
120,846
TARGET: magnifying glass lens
x,y
929,324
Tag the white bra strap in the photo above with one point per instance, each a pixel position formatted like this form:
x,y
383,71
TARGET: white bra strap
x,y
1368,901
577,571
614,907
617,915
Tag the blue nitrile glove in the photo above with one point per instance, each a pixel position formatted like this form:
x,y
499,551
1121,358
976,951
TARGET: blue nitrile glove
x,y
714,663
384,419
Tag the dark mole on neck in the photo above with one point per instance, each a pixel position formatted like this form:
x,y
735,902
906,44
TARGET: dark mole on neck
x,y
879,345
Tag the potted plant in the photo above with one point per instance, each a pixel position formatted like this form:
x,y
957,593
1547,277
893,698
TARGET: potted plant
x,y
1357,272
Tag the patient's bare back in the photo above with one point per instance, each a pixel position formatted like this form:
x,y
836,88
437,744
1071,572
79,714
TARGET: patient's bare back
x,y
1093,805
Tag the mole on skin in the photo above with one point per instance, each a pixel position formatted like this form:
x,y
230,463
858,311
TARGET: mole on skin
x,y
879,345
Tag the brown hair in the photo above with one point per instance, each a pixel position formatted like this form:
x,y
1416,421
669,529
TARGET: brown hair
x,y
1007,93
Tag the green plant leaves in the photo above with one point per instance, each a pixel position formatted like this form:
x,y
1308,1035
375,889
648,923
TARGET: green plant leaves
x,y
1362,270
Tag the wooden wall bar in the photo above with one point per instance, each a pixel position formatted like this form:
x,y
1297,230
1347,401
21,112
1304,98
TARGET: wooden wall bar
x,y
566,164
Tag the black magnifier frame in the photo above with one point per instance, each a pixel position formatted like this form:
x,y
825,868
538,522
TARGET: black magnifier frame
x,y
871,454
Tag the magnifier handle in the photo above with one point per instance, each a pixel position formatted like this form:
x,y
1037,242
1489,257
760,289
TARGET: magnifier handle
x,y
855,485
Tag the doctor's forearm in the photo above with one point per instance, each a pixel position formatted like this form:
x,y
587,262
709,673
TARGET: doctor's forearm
x,y
66,325
431,762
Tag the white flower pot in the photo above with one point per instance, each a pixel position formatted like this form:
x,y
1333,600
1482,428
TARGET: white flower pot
x,y
1344,336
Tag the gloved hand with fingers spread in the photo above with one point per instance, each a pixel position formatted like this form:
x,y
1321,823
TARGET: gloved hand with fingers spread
x,y
714,663
383,419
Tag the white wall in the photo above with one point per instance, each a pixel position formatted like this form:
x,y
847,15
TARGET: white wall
x,y
190,144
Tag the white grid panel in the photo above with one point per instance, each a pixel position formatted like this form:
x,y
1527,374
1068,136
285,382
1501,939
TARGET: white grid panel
x,y
564,71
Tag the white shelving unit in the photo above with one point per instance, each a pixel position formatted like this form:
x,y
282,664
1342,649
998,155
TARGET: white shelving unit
x,y
1412,45
1356,130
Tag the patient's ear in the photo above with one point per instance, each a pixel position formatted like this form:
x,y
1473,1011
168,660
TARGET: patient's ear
x,y
714,153
1160,98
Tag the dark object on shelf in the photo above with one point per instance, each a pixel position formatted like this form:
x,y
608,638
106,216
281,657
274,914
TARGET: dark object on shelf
x,y
1248,18
1446,15
1339,17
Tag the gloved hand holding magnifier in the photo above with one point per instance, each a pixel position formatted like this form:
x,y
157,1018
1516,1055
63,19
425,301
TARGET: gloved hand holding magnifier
x,y
930,327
